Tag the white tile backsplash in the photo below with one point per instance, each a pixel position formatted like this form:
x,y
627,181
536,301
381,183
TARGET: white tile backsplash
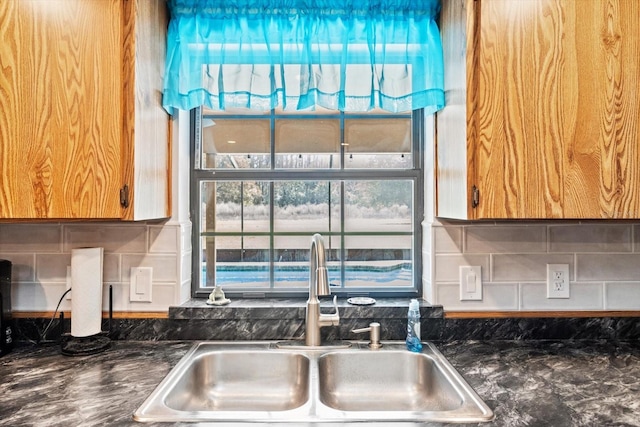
x,y
23,267
584,296
41,253
590,238
52,267
495,296
448,240
163,297
111,267
129,238
447,266
163,240
622,295
165,267
504,239
27,296
608,266
38,296
30,238
604,261
526,267
603,258
636,238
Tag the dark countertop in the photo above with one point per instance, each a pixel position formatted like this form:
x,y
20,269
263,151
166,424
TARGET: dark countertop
x,y
525,382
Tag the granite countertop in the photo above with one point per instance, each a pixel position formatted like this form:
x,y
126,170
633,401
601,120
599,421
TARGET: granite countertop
x,y
525,382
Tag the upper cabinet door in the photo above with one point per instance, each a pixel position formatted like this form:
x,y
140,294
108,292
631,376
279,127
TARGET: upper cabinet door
x,y
82,131
146,164
550,94
61,120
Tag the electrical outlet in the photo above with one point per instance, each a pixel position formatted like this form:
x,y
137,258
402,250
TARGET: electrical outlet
x,y
558,281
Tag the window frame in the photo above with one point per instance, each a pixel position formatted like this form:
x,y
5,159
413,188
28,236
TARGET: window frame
x,y
415,174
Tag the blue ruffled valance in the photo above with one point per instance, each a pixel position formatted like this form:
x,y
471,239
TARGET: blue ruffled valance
x,y
348,55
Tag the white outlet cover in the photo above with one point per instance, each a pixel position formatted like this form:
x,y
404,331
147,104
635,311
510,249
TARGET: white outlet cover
x,y
470,283
141,284
558,281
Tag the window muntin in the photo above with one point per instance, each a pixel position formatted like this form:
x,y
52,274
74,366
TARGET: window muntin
x,y
256,222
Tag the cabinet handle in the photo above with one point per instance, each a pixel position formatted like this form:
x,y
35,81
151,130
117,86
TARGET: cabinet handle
x,y
124,196
475,197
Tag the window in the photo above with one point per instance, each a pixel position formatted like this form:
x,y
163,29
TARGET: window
x,y
264,182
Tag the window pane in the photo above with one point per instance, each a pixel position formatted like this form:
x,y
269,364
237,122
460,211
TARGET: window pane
x,y
236,144
255,206
378,261
307,143
291,266
379,206
305,206
235,206
291,263
239,261
223,205
379,143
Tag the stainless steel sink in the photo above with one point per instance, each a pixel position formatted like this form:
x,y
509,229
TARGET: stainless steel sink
x,y
241,381
268,382
387,381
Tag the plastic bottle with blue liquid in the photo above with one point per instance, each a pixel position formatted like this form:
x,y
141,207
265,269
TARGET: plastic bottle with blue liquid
x,y
413,327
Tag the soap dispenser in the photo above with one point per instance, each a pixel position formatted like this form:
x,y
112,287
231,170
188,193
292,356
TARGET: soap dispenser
x,y
413,327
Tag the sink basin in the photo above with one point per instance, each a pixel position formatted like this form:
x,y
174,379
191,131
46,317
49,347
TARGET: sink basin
x,y
271,383
386,381
241,381
231,381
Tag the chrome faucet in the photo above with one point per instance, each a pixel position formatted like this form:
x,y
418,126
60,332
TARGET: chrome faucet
x,y
318,285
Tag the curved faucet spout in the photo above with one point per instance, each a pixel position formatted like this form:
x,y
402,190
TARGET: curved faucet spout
x,y
318,280
318,285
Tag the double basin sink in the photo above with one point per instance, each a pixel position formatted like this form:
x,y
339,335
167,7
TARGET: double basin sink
x,y
266,382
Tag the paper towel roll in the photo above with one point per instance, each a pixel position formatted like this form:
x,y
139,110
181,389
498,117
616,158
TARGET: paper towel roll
x,y
86,291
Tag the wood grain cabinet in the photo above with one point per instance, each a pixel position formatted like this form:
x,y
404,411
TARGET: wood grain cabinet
x,y
82,131
543,109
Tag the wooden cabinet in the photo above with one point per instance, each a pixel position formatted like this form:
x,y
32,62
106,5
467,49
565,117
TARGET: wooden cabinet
x,y
543,109
81,122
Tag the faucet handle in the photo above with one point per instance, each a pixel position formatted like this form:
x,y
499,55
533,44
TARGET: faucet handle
x,y
374,329
330,319
335,305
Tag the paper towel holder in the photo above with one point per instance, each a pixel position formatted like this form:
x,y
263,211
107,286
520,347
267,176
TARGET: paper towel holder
x,y
93,344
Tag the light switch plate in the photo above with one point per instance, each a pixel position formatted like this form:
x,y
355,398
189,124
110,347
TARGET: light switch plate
x,y
140,286
470,283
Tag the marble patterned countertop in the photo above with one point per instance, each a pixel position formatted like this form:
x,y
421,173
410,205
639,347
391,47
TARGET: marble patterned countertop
x,y
525,382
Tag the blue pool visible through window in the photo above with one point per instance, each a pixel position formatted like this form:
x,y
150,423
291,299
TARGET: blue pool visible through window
x,y
396,273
